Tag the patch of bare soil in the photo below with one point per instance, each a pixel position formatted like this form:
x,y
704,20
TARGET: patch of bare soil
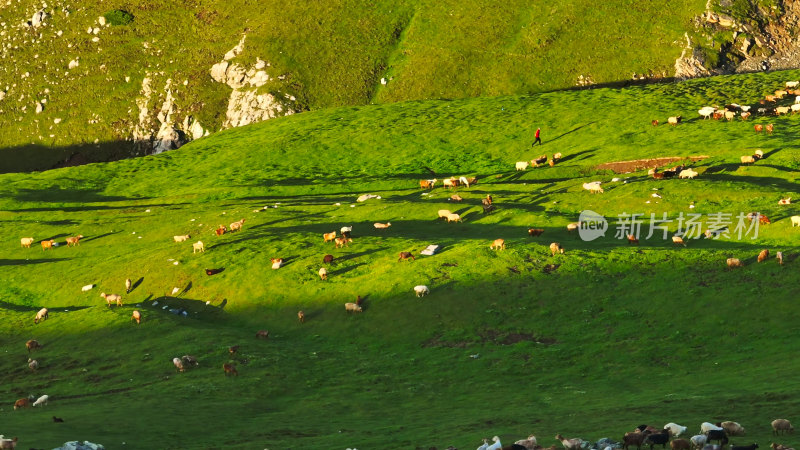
x,y
644,164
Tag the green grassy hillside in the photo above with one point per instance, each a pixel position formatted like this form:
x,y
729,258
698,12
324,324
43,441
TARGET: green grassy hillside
x,y
325,54
588,344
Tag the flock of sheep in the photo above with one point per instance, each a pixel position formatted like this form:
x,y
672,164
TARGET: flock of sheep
x,y
644,435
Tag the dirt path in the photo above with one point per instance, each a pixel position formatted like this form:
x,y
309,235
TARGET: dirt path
x,y
642,164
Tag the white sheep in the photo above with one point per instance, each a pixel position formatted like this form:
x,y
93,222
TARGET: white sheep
x,y
178,364
529,443
707,111
795,221
593,187
453,217
705,427
379,225
346,231
41,400
88,288
698,441
41,315
675,429
181,238
352,307
323,273
522,165
198,247
687,173
497,445
792,84
421,290
444,213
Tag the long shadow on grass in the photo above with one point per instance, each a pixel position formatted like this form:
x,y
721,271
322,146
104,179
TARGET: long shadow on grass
x,y
100,236
23,308
25,262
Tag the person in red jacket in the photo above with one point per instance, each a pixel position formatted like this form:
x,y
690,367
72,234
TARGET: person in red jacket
x,y
538,139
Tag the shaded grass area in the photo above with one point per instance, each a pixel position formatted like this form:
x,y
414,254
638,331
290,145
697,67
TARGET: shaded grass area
x,y
589,343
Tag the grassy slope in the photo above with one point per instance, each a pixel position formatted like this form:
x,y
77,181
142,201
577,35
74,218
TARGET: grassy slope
x,y
615,337
333,53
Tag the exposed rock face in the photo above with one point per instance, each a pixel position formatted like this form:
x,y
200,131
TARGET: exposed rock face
x,y
246,104
759,38
85,445
168,135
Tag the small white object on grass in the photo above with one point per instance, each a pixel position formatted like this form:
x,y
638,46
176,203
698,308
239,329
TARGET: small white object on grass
x,y
175,263
175,290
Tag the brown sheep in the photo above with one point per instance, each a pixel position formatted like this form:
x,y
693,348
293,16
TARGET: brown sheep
x,y
763,255
769,128
230,369
498,244
759,128
733,262
221,230
633,438
782,425
233,349
112,298
22,403
47,244
263,334
535,232
33,344
236,225
329,236
406,256
327,259
72,241
342,241
680,444
677,240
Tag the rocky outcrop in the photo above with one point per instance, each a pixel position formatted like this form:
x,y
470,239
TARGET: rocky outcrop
x,y
75,445
247,104
742,38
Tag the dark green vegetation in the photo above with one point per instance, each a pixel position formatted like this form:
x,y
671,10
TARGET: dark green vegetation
x,y
331,53
615,336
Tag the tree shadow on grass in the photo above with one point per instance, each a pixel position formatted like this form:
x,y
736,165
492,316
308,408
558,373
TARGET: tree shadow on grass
x,y
24,308
100,236
344,270
24,262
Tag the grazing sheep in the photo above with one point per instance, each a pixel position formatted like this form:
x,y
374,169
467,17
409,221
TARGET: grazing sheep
x,y
729,115
456,198
128,285
522,165
688,173
178,364
198,247
26,242
8,443
342,241
47,244
137,316
301,316
345,231
654,122
421,290
792,84
235,226
705,427
782,110
427,184
573,226
770,127
327,237
454,218
230,369
496,446
379,225
540,160
556,247
675,429
779,257
698,441
748,159
707,111
233,349
41,315
489,208
759,128
795,221
680,444
660,438
183,238
323,273
450,182
33,344
488,200
570,444
220,230
785,201
632,240
535,232
41,400
552,163
733,262
593,187
33,364
529,444
498,244
763,255
633,438
674,120
745,115
112,298
327,259
782,425
189,360
732,428
717,435
406,255
677,240
443,213
352,307
22,403
72,241
557,156
263,334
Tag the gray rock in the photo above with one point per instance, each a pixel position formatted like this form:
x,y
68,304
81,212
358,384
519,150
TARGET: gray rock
x,y
38,18
85,445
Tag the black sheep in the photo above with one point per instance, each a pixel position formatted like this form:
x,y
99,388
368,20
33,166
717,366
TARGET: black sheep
x,y
660,438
